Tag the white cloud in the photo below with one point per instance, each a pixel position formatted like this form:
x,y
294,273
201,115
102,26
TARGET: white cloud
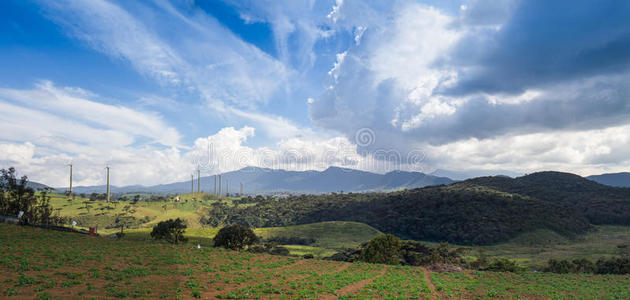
x,y
241,75
333,15
60,113
585,152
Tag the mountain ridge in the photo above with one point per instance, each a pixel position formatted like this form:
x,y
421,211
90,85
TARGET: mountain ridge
x,y
265,180
621,179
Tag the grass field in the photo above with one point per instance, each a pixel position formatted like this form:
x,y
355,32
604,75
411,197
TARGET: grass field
x,y
329,236
535,248
147,214
43,264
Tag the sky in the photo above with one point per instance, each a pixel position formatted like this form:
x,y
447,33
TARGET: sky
x,y
157,89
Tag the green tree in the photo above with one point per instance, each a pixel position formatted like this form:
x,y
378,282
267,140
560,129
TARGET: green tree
x,y
16,196
235,237
170,230
383,249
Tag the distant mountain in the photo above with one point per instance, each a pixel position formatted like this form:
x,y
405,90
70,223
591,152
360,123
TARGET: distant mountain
x,y
262,180
37,186
463,175
612,179
601,204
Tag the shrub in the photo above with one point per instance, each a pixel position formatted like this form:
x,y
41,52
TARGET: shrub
x,y
235,237
170,230
383,249
504,265
618,265
279,251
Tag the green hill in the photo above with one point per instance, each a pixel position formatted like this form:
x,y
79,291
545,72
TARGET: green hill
x,y
601,204
461,213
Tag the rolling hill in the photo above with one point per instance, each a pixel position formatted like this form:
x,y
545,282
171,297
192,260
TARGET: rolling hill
x,y
601,204
462,213
261,180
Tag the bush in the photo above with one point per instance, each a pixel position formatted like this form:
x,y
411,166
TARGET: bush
x,y
618,265
383,249
575,266
170,230
235,237
279,251
615,265
504,265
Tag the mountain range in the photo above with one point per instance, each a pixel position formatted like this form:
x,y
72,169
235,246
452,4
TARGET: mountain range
x,y
612,179
262,180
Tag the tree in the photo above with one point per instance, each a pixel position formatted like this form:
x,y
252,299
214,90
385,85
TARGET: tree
x,y
170,230
383,249
235,237
123,220
16,197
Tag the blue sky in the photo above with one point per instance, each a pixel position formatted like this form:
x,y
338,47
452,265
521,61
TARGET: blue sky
x,y
158,88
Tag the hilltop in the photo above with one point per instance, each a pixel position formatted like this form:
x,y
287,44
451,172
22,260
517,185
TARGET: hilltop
x,y
601,204
460,213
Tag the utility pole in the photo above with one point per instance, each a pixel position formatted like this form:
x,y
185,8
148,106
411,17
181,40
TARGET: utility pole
x,y
107,183
70,179
198,181
241,193
192,186
215,185
220,185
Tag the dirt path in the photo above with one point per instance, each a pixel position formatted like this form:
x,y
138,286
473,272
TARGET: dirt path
x,y
427,278
352,288
343,267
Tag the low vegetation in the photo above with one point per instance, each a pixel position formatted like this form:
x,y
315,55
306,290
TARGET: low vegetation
x,y
39,263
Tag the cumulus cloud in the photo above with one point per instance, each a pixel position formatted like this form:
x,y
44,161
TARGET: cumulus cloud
x,y
546,42
585,152
502,84
140,146
425,78
61,125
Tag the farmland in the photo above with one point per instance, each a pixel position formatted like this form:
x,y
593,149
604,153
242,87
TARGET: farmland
x,y
46,264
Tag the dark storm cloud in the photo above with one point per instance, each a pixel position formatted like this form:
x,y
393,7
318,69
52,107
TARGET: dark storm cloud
x,y
589,104
546,42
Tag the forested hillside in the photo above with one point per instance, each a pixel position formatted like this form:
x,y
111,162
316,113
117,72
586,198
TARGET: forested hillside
x,y
601,204
461,213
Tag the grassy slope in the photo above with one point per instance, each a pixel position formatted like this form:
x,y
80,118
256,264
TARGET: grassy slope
x,y
329,236
534,249
51,264
190,211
